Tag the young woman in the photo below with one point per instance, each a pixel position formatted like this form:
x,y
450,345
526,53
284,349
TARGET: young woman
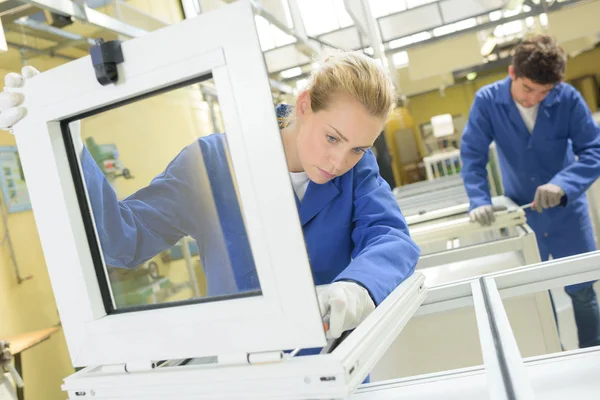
x,y
356,237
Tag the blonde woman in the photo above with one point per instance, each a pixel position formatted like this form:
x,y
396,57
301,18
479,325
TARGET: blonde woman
x,y
356,237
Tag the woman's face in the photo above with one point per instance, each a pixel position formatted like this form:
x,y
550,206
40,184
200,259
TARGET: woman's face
x,y
330,142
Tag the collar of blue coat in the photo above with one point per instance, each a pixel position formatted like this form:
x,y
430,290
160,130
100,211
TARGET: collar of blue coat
x,y
282,111
317,197
505,97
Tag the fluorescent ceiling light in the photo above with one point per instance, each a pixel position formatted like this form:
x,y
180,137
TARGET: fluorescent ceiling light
x,y
290,73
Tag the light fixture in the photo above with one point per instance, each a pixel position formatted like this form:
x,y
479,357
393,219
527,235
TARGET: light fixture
x,y
400,59
444,30
405,41
488,46
495,15
290,73
529,21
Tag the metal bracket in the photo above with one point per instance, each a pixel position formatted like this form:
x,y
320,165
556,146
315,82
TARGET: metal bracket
x,y
130,367
267,357
105,58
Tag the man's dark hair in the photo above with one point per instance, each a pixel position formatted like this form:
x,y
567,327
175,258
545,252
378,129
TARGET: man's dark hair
x,y
540,59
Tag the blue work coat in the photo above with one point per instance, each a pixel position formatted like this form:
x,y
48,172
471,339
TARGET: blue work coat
x,y
563,149
353,227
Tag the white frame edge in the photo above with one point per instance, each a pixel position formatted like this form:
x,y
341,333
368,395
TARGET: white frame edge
x,y
287,315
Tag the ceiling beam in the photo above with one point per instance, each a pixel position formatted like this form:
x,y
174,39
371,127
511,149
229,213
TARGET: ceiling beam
x,y
23,47
83,13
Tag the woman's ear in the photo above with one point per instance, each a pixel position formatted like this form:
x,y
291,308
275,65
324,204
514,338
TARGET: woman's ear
x,y
303,104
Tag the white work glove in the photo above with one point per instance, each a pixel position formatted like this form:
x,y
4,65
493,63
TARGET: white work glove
x,y
547,196
345,305
12,111
484,215
11,99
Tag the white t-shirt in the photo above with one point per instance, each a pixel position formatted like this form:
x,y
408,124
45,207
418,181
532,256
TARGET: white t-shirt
x,y
300,183
529,115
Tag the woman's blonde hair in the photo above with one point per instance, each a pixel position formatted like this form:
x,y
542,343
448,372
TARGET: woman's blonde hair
x,y
352,75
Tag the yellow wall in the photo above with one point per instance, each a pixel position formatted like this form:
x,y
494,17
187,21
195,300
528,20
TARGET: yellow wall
x,y
148,134
31,305
458,98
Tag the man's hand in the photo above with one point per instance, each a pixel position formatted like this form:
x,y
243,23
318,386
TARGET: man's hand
x,y
346,304
484,215
547,196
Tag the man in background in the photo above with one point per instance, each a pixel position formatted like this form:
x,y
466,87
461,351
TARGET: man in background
x,y
549,151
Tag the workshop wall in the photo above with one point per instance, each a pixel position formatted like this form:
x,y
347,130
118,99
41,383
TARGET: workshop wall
x,y
31,306
457,99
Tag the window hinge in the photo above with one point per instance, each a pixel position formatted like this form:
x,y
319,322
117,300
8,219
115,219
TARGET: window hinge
x,y
130,367
265,357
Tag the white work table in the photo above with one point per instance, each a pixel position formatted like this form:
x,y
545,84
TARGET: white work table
x,y
453,249
569,375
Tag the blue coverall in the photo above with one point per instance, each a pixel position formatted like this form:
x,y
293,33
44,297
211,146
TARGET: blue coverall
x,y
563,149
352,225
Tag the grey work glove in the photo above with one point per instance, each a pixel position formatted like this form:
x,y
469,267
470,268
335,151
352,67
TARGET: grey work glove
x,y
547,196
484,215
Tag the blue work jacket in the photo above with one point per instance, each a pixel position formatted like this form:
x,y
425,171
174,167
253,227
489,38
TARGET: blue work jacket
x,y
352,225
564,149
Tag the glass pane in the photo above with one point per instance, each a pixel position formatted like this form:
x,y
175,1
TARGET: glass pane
x,y
164,199
432,343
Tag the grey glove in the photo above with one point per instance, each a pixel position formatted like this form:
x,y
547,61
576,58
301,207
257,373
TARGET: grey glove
x,y
547,196
484,215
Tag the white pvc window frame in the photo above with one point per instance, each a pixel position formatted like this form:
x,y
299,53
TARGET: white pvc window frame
x,y
223,43
506,374
463,226
334,374
337,375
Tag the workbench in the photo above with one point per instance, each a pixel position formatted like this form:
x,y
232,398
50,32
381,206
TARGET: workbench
x,y
23,342
454,249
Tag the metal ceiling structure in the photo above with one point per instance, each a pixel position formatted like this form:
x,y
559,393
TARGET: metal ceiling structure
x,y
65,29
427,23
59,14
47,27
